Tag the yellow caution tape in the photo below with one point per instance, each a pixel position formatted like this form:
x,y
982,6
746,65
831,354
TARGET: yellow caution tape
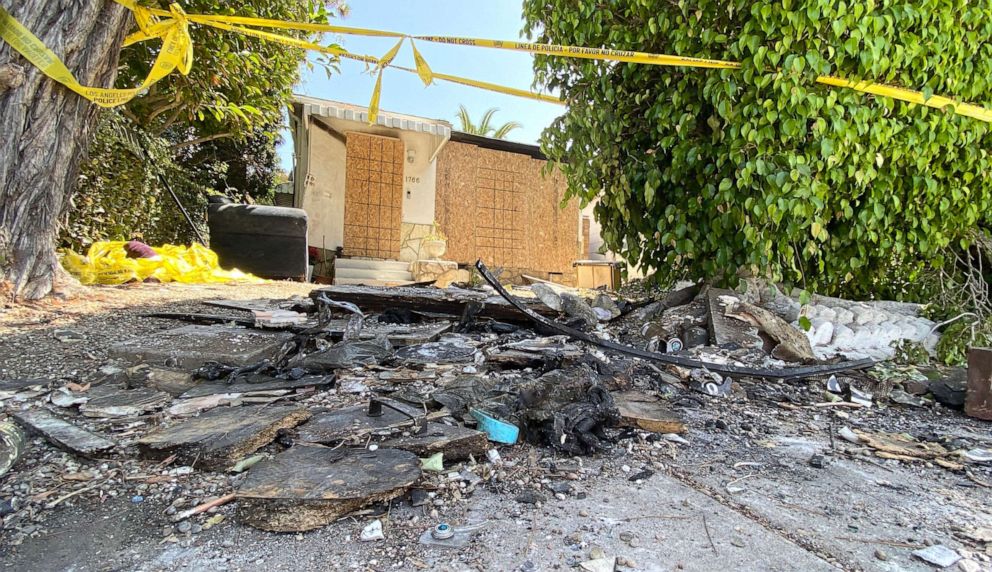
x,y
177,53
107,263
936,101
423,70
586,53
489,86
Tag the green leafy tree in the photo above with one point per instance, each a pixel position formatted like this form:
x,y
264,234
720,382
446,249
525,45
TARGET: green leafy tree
x,y
485,128
237,82
214,130
120,194
702,172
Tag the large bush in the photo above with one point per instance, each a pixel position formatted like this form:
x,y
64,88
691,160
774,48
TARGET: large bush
x,y
213,130
120,195
704,173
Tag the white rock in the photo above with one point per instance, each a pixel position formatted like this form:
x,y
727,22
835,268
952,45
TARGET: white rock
x,y
843,316
599,565
969,566
823,332
843,337
372,531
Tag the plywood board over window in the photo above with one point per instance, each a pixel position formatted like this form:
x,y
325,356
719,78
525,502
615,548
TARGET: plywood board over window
x,y
498,206
373,196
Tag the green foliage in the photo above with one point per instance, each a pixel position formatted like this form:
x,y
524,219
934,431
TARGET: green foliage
x,y
119,195
485,128
237,82
952,349
214,130
910,353
708,172
243,169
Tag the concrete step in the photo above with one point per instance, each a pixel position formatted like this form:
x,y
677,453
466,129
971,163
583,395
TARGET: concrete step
x,y
396,265
372,273
370,282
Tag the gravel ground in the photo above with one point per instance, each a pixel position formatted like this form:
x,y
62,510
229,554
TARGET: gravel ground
x,y
762,481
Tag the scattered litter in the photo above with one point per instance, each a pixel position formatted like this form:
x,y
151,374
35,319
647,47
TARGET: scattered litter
x,y
862,398
12,446
247,463
638,409
108,263
448,536
846,434
938,555
370,391
68,336
978,455
434,463
709,383
496,430
372,532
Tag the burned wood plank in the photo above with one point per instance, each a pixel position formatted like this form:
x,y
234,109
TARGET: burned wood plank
x,y
451,301
978,396
333,426
258,383
516,359
171,381
63,434
306,487
218,438
456,442
14,385
447,351
192,346
643,411
783,373
126,403
398,334
12,445
725,330
643,313
203,319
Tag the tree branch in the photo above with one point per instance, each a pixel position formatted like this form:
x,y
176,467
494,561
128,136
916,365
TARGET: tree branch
x,y
199,140
161,110
168,122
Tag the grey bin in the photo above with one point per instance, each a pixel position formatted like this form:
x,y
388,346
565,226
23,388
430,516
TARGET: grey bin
x,y
269,242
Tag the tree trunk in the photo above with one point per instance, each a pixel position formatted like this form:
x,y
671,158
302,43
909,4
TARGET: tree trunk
x,y
46,130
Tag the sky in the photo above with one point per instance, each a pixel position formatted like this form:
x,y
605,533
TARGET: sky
x,y
403,92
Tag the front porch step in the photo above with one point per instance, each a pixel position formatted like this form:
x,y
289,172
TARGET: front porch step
x,y
373,274
370,282
395,265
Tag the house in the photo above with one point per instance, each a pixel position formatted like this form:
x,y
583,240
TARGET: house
x,y
375,190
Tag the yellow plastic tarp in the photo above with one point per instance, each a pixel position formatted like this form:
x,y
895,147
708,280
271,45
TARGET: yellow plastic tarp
x,y
107,263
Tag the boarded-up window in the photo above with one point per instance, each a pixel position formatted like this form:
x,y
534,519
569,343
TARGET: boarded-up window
x,y
499,234
373,196
498,206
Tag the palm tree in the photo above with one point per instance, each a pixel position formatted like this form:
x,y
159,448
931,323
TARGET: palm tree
x,y
484,128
